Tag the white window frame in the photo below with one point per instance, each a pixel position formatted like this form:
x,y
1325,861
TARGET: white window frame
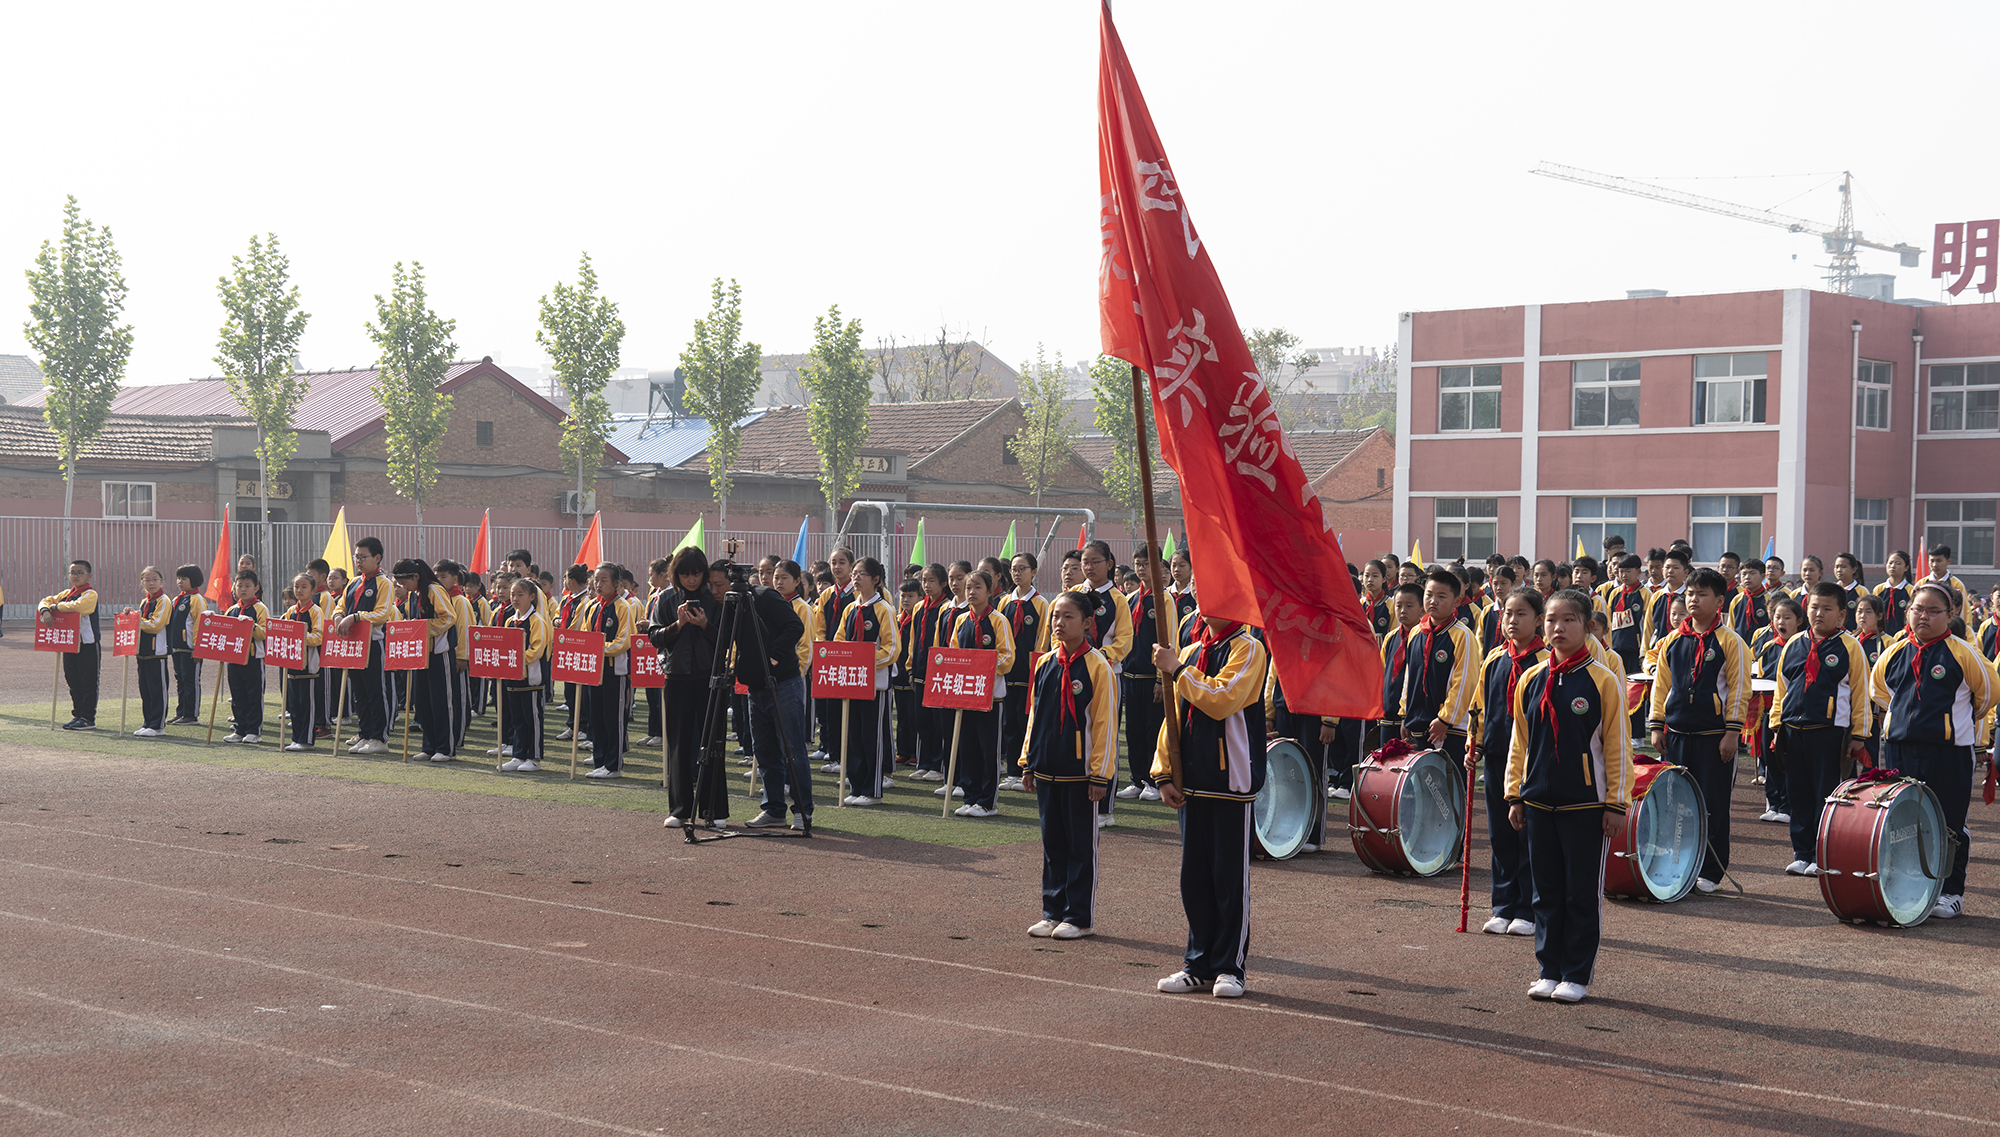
x,y
1709,545
1477,385
1749,380
1873,408
1871,530
1961,382
1951,530
1468,513
1606,377
1591,525
152,501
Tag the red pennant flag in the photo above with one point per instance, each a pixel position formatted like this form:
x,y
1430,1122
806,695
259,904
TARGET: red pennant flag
x,y
588,553
1251,514
480,555
1081,537
219,587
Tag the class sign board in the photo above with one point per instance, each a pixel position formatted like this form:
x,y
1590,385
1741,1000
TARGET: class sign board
x,y
843,669
348,652
497,653
579,658
285,643
225,639
646,664
59,635
405,645
125,634
960,678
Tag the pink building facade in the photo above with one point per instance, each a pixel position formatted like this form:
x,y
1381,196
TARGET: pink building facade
x,y
1832,423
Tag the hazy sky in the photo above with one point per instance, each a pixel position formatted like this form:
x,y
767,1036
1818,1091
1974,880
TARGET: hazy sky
x,y
919,163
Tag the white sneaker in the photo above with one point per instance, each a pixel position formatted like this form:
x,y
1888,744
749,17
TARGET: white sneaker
x,y
1497,926
1703,884
980,811
1812,869
441,757
586,744
1782,818
1758,780
1798,868
650,740
145,732
1043,929
956,791
603,772
889,783
1228,987
1768,815
1543,989
1128,793
372,746
493,753
1570,993
1342,793
1149,793
563,734
505,752
1010,783
1106,821
1521,927
296,747
764,820
422,756
1948,907
830,768
232,736
511,764
529,766
862,799
960,811
816,756
672,822
252,739
1180,983
1069,931
927,776
721,823
1308,847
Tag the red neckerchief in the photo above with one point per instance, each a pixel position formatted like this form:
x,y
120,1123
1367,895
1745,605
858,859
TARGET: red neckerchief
x,y
1917,672
354,589
1142,603
73,593
1208,639
1518,664
1424,671
1402,645
853,619
454,591
1558,668
1624,599
1701,647
1812,657
1064,658
970,624
152,598
1018,608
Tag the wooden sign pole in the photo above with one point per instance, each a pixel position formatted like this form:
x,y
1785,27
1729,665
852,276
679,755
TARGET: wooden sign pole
x,y
951,765
339,710
55,692
215,702
846,743
125,696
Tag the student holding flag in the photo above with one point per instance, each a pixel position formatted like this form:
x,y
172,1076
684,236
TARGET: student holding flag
x,y
368,599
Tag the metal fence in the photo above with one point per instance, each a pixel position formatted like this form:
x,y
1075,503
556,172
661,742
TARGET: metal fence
x,y
31,549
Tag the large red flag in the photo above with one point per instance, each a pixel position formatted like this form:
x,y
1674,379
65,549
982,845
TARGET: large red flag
x,y
1265,553
480,554
221,575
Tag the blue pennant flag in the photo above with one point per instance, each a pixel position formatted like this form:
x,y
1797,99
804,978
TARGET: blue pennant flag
x,y
799,550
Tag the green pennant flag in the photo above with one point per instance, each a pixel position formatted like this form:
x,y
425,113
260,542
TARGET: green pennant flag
x,y
917,550
1007,550
693,538
1167,550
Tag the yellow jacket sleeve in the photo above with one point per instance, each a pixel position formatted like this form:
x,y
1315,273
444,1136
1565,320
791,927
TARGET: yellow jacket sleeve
x,y
1979,677
1878,682
315,623
162,613
1517,753
1736,673
1663,682
1776,718
83,605
805,650
261,615
1003,642
621,642
1617,740
889,641
1457,708
447,612
1238,684
1042,639
1102,730
535,640
1860,707
462,619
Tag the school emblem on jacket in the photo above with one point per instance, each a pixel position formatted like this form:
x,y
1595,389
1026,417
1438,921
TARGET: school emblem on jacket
x,y
1076,686
986,640
1831,660
1579,705
1937,670
1708,656
1441,655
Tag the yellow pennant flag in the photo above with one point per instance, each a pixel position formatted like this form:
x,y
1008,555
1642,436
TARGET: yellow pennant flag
x,y
1580,550
1417,553
339,550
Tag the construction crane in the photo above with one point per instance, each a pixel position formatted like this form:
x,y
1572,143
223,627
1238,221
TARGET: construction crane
x,y
1841,239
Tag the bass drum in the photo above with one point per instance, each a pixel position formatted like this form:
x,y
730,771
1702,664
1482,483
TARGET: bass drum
x,y
1284,809
1407,813
1658,855
1883,852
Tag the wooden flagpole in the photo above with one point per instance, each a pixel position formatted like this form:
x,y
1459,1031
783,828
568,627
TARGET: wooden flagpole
x,y
1166,628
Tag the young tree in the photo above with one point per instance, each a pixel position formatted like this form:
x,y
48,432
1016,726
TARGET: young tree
x,y
416,353
1282,367
1111,387
258,350
722,380
1043,442
837,376
952,367
77,293
582,331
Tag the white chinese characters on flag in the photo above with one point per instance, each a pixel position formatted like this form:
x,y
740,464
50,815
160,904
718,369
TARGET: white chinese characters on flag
x,y
1252,518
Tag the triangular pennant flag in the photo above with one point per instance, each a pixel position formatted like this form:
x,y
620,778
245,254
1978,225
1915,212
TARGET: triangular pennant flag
x,y
1771,546
480,554
1082,536
1580,550
1007,549
218,575
917,549
339,550
693,540
590,553
799,550
1167,550
1417,553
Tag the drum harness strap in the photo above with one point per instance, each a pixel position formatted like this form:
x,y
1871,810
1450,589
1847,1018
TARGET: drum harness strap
x,y
1876,777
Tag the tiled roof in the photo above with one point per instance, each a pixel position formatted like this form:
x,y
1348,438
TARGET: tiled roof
x,y
1096,450
155,440
1321,450
342,403
19,378
777,443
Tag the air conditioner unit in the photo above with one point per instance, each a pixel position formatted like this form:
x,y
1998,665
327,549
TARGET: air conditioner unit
x,y
573,503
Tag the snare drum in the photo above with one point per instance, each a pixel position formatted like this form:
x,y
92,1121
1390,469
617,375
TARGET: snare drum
x,y
1883,852
1283,813
1406,815
1658,854
1638,689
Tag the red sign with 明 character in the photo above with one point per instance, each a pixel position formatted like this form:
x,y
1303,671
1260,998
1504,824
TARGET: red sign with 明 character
x,y
225,639
960,678
843,669
497,653
285,643
406,645
61,635
579,658
125,634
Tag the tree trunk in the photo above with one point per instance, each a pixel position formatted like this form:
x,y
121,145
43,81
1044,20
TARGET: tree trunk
x,y
421,555
69,499
579,496
264,504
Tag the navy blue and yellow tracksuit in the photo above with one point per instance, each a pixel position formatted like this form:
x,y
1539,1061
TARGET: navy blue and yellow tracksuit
x,y
870,752
368,599
1569,761
1937,692
979,739
1028,622
1072,745
1821,706
522,699
183,624
1749,613
303,689
155,612
1136,688
1441,682
1499,677
1895,603
1219,685
1701,692
1109,630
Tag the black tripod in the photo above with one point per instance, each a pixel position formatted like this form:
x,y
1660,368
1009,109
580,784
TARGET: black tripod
x,y
738,601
